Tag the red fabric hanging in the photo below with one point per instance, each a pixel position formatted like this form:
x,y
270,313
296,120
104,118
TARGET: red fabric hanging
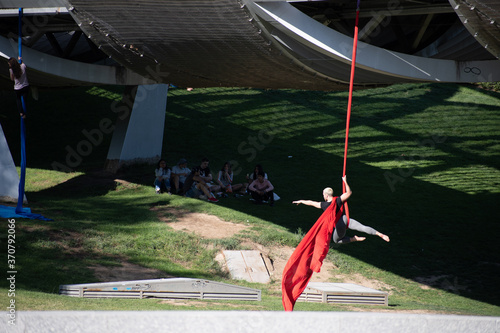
x,y
349,103
308,256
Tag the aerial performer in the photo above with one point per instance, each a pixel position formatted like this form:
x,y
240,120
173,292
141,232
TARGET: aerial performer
x,y
21,86
343,224
17,72
309,254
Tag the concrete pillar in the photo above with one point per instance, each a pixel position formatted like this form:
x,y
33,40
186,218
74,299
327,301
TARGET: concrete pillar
x,y
138,133
9,178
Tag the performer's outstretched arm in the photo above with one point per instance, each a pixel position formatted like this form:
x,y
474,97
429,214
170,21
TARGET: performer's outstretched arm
x,y
308,203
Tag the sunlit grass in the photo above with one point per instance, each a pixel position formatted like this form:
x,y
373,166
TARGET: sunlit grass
x,y
41,179
481,180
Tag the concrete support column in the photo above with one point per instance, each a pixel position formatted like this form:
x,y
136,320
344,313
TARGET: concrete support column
x,y
138,133
9,178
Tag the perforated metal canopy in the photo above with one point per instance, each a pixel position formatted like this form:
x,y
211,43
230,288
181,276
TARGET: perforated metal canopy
x,y
264,44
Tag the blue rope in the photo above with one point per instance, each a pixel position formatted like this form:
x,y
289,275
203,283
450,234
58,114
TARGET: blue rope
x,y
20,199
22,177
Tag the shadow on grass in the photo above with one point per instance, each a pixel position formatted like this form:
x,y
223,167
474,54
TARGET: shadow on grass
x,y
440,234
100,230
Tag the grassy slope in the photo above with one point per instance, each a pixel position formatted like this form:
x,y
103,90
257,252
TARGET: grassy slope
x,y
423,165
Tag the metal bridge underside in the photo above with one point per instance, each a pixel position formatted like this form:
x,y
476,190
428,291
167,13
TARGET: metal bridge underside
x,y
260,44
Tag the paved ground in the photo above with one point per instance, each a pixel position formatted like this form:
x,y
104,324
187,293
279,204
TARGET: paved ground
x,y
243,321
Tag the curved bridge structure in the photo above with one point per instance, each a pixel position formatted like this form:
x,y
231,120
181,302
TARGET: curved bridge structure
x,y
266,43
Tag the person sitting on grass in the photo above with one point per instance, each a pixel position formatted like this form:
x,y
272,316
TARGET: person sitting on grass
x,y
253,176
195,184
162,180
225,179
206,175
179,175
261,190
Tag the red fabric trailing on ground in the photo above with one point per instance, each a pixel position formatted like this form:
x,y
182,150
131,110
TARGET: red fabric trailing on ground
x,y
308,256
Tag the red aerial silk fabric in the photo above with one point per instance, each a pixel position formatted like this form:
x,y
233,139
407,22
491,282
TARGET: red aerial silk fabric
x,y
308,256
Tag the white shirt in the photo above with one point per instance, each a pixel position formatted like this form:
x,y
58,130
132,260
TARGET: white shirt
x,y
177,170
20,83
163,173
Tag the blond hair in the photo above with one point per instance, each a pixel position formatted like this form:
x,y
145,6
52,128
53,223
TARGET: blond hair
x,y
328,191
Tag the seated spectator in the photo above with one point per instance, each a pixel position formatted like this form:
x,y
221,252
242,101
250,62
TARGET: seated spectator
x,y
206,175
179,175
253,176
191,178
196,187
261,190
162,180
225,179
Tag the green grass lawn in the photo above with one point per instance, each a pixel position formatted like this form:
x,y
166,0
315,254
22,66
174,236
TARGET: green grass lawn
x,y
423,164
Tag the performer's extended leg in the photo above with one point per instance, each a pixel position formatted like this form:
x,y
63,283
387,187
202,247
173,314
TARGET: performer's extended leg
x,y
356,225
